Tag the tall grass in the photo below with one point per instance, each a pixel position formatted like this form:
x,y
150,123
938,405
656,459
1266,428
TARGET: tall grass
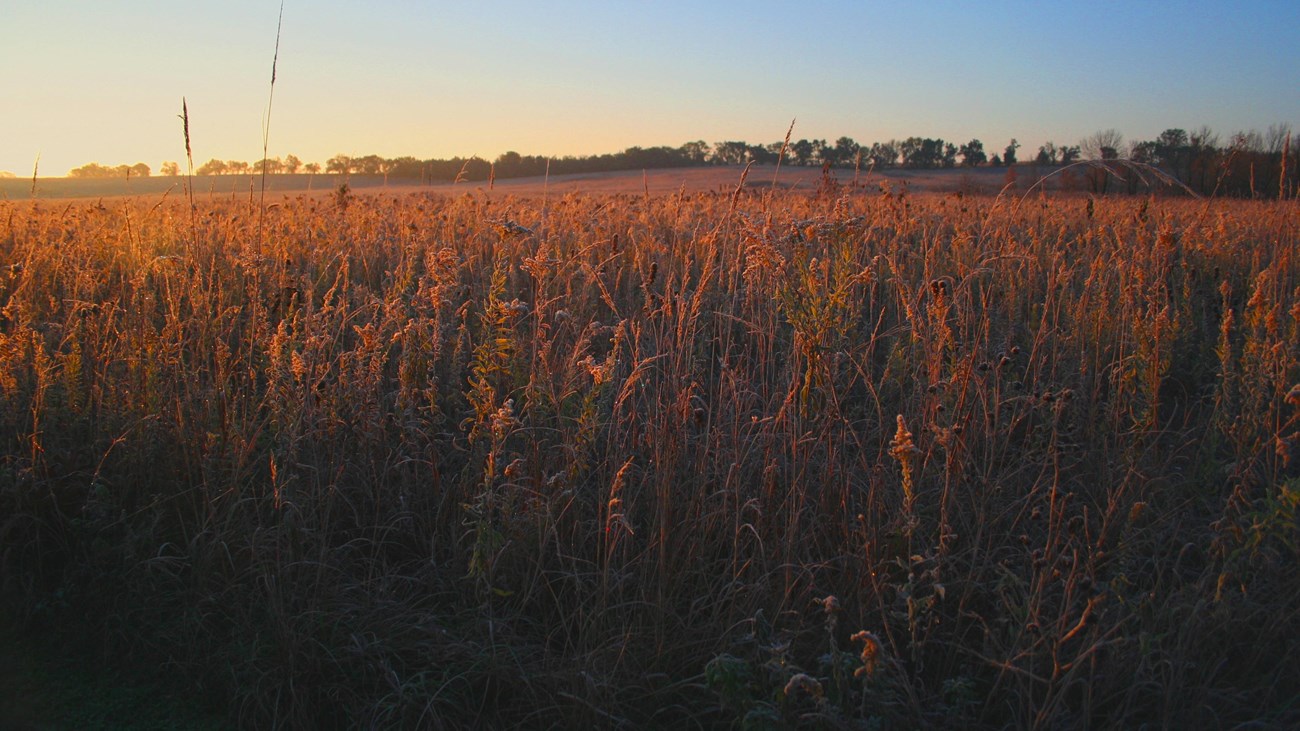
x,y
665,461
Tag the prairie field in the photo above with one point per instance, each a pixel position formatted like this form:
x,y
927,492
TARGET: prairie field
x,y
711,178
828,458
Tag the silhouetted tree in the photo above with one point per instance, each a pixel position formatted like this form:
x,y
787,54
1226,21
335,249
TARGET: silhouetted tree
x,y
341,164
92,170
697,151
1102,145
368,165
1047,154
924,152
762,155
1009,154
1171,150
730,153
406,167
801,151
846,150
909,151
972,154
884,154
213,167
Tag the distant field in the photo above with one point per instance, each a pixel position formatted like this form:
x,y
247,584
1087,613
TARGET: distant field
x,y
213,187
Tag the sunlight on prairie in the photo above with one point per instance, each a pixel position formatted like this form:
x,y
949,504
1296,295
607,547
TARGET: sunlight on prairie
x,y
665,460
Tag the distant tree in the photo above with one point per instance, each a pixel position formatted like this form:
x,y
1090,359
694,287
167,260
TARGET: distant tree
x,y
885,154
730,153
368,165
237,167
762,154
1143,152
341,164
140,170
1171,146
972,154
406,167
1047,154
1069,154
801,152
1275,139
213,167
169,169
996,161
508,164
7,175
1203,159
1204,137
292,164
909,150
1251,141
950,155
93,170
822,153
697,151
273,166
1102,145
1009,154
311,168
923,152
846,150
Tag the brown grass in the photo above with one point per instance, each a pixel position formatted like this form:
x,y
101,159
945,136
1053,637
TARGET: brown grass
x,y
656,182
685,459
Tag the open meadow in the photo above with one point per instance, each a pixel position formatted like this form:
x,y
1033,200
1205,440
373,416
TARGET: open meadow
x,y
828,457
713,178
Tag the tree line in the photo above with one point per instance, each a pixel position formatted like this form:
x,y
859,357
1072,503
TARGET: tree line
x,y
95,170
1245,164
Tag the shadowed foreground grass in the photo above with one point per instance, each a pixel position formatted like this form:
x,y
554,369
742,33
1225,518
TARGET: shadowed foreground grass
x,y
44,688
838,460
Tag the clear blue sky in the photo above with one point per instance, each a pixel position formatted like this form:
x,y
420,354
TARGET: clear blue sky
x,y
102,81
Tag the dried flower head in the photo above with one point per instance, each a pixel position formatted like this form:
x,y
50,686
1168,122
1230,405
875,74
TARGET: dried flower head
x,y
805,683
870,655
902,448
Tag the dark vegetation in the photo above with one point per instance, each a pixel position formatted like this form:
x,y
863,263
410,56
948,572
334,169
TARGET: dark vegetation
x,y
760,461
1248,164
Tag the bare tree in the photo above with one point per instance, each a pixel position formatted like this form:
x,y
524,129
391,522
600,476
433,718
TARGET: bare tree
x,y
1102,145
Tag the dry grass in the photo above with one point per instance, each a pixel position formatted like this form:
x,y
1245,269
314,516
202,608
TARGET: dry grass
x,y
667,181
663,461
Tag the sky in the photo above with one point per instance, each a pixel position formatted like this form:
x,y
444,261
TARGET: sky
x,y
103,82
